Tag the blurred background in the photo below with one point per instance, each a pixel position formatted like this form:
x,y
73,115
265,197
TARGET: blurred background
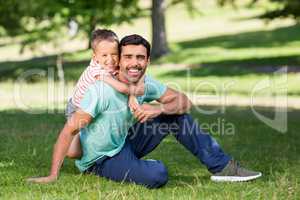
x,y
200,47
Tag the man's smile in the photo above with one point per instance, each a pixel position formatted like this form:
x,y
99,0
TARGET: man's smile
x,y
134,72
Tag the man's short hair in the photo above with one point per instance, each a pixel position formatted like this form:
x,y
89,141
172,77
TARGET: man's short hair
x,y
135,40
99,35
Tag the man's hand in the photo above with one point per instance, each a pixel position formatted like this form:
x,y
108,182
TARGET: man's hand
x,y
146,112
78,120
46,179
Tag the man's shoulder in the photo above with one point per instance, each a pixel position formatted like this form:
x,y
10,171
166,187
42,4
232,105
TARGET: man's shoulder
x,y
150,80
100,89
100,85
96,98
154,89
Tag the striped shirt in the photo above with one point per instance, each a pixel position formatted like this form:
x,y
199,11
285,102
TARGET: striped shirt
x,y
87,78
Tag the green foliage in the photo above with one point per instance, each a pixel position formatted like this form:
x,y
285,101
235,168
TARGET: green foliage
x,y
190,6
19,17
103,12
43,20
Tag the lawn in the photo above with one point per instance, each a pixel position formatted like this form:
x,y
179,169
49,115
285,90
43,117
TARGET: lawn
x,y
221,52
26,144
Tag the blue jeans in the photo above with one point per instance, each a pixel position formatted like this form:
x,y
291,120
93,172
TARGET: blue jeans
x,y
143,138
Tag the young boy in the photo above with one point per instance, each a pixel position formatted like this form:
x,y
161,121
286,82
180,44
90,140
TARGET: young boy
x,y
103,66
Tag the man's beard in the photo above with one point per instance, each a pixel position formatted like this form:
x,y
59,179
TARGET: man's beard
x,y
133,79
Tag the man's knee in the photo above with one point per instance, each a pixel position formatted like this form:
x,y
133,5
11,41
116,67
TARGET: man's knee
x,y
158,176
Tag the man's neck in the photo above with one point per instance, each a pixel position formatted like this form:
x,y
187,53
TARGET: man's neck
x,y
122,79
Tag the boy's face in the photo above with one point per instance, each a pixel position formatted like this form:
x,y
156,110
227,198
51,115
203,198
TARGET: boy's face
x,y
107,55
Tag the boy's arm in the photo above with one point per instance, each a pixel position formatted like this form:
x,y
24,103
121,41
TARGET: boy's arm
x,y
136,90
78,120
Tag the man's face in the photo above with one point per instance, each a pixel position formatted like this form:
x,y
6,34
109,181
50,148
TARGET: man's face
x,y
133,62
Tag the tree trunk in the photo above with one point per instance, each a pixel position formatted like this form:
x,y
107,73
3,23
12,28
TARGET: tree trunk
x,y
91,28
60,69
159,36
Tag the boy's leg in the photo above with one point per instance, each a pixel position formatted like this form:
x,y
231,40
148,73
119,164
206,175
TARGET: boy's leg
x,y
125,166
146,136
74,150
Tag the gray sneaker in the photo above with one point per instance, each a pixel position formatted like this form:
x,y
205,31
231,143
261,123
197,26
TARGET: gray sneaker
x,y
234,173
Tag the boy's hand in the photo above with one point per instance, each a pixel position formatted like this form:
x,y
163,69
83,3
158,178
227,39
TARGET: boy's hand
x,y
103,76
137,90
46,179
133,103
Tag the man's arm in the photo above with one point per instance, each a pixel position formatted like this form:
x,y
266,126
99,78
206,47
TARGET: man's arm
x,y
171,102
78,120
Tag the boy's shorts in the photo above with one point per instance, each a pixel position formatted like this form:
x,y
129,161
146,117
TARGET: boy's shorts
x,y
70,109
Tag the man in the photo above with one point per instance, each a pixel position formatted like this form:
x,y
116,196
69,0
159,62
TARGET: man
x,y
111,151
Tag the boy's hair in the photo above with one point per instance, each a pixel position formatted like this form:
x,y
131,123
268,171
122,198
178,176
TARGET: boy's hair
x,y
99,35
135,40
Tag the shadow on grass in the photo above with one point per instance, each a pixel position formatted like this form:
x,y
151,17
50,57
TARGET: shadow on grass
x,y
241,67
236,67
273,38
225,67
11,70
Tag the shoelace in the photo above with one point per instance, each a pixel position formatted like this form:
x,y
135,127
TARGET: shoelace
x,y
236,166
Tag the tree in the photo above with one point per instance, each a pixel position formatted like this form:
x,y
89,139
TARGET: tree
x,y
102,12
43,21
159,35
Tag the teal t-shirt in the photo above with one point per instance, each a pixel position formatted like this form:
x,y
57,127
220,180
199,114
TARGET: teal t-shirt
x,y
106,134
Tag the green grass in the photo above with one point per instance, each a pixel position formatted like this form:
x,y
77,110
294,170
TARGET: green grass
x,y
26,145
220,48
